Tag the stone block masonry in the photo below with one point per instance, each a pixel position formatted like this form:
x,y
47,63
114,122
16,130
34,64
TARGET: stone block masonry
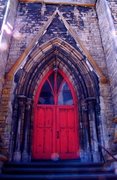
x,y
8,11
7,17
107,23
109,40
113,7
30,18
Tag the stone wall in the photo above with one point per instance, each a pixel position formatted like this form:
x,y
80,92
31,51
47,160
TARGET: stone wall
x,y
109,41
8,11
5,39
29,21
113,7
31,18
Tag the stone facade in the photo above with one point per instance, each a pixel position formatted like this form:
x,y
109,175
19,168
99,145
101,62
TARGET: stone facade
x,y
5,37
107,24
113,7
30,19
91,24
9,10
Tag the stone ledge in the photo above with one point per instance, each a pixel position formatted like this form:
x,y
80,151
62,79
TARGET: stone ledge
x,y
88,3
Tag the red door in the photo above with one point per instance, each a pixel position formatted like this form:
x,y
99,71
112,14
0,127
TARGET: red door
x,y
55,119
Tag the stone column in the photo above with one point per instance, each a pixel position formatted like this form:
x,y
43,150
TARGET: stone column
x,y
25,153
93,128
86,149
21,110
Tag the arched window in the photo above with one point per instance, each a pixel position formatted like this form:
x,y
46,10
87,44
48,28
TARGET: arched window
x,y
55,90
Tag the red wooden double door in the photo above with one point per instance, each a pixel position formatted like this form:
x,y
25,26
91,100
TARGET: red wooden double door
x,y
55,133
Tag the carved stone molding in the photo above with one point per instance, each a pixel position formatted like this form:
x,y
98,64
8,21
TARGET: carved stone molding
x,y
64,2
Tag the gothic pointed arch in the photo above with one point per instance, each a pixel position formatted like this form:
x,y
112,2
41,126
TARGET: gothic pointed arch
x,y
61,55
50,53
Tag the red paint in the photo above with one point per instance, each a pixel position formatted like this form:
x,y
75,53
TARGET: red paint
x,y
55,119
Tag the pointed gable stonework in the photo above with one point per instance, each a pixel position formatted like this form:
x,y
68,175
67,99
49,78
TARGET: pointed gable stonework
x,y
57,26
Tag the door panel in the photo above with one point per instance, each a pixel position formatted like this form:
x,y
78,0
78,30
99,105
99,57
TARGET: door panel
x,y
55,125
63,145
68,140
43,145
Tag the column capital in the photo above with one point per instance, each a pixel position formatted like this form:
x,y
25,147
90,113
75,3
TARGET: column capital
x,y
22,97
84,105
90,99
28,103
29,100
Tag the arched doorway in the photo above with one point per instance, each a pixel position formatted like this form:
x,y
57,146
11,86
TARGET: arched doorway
x,y
55,132
84,87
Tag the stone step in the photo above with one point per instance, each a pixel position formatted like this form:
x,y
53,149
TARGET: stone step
x,y
60,177
57,164
56,170
52,170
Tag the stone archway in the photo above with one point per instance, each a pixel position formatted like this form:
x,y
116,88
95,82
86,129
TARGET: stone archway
x,y
85,83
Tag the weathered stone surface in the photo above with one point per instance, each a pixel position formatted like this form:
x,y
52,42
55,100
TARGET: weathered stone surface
x,y
109,41
9,11
63,1
94,28
30,20
113,6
